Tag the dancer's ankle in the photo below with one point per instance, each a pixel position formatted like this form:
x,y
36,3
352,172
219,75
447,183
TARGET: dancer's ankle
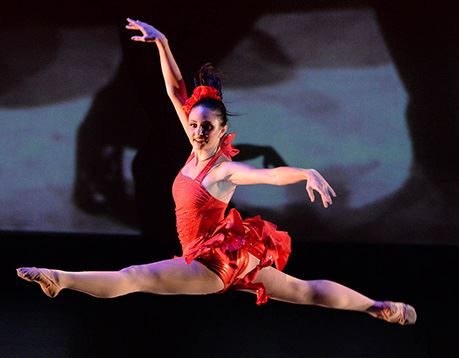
x,y
377,307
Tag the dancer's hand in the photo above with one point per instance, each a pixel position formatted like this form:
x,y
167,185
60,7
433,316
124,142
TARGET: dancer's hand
x,y
318,183
149,33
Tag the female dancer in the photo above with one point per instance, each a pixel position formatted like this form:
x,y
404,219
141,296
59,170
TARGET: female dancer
x,y
218,252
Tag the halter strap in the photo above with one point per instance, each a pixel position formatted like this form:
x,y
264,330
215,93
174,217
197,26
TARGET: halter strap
x,y
208,166
225,148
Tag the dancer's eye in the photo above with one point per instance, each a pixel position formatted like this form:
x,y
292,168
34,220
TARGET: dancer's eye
x,y
207,127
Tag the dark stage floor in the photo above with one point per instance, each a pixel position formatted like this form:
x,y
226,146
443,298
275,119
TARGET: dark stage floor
x,y
230,325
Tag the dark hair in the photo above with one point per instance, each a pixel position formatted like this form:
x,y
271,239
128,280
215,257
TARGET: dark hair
x,y
208,75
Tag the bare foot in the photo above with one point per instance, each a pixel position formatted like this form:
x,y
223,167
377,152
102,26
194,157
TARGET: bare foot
x,y
44,277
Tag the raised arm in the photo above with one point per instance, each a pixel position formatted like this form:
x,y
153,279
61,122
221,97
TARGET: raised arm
x,y
242,174
175,86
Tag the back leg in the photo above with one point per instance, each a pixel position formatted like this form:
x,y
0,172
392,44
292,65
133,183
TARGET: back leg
x,y
283,287
326,293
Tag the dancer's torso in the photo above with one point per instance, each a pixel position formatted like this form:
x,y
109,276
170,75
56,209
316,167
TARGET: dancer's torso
x,y
197,210
224,243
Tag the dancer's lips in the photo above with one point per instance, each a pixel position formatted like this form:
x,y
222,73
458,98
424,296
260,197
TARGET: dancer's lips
x,y
200,140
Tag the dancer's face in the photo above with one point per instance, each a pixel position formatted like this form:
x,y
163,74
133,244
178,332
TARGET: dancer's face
x,y
204,128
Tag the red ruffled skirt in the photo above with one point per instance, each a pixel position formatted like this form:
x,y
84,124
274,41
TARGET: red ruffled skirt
x,y
225,251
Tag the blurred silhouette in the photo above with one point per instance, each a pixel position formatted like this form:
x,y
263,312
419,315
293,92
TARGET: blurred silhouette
x,y
133,111
417,40
423,44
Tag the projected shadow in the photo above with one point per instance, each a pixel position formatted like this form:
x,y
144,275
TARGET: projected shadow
x,y
131,110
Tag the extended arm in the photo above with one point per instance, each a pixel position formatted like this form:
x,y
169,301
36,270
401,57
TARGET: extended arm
x,y
175,86
243,174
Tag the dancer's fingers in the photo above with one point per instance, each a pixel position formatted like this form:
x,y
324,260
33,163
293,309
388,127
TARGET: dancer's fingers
x,y
332,191
310,193
325,200
134,24
138,38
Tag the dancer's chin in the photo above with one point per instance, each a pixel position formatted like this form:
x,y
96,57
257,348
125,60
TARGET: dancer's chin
x,y
199,144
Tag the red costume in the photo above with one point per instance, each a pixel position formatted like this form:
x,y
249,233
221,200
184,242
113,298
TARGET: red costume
x,y
223,243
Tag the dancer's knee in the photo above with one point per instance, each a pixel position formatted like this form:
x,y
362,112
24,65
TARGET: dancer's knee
x,y
318,292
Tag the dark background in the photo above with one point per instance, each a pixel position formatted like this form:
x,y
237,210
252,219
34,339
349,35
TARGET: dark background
x,y
407,251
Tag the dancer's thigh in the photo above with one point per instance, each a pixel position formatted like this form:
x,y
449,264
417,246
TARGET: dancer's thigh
x,y
175,276
279,285
284,287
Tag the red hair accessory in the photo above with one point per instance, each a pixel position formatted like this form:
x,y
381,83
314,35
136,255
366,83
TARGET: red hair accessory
x,y
199,93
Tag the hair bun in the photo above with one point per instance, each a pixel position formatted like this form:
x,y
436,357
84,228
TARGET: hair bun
x,y
208,75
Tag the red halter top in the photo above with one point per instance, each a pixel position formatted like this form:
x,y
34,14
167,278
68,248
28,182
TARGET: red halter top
x,y
221,241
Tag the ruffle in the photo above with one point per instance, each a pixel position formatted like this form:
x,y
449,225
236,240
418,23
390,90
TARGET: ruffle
x,y
226,145
259,237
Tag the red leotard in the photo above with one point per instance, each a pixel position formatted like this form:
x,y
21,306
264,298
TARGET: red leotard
x,y
223,243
